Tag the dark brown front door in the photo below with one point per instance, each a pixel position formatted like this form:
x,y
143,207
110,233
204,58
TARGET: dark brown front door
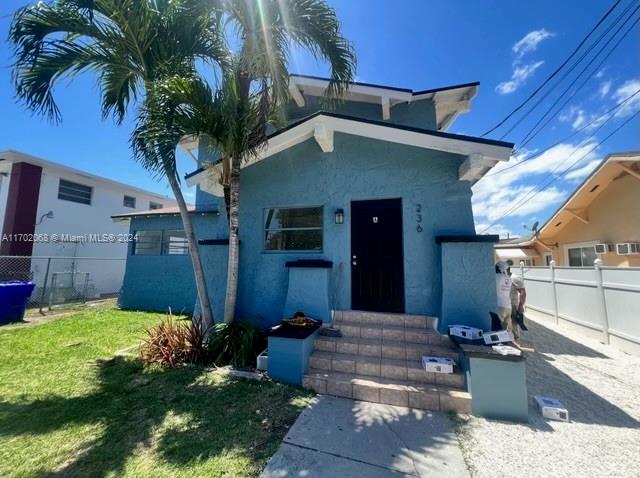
x,y
377,272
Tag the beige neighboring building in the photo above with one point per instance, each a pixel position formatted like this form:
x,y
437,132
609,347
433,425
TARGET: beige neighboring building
x,y
601,219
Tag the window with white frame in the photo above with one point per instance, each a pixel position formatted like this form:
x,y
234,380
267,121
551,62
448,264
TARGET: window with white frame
x,y
293,229
548,257
175,243
129,201
74,192
581,255
168,242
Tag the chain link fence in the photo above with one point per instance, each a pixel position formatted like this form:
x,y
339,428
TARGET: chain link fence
x,y
65,280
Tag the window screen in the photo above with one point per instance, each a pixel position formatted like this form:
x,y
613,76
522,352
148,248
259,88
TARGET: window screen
x,y
74,192
175,243
293,229
148,243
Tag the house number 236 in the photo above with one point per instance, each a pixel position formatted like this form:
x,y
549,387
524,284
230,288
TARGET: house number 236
x,y
419,217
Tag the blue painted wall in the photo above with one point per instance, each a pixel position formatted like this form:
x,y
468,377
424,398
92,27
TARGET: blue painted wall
x,y
162,282
419,114
469,290
358,169
308,291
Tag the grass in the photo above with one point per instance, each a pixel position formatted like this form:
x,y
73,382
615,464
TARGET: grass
x,y
68,407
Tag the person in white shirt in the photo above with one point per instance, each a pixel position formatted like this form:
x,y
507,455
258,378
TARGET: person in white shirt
x,y
518,299
503,289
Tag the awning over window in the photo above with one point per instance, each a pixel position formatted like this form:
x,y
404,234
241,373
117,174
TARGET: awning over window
x,y
516,253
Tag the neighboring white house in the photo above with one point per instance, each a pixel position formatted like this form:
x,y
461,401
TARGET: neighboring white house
x,y
51,210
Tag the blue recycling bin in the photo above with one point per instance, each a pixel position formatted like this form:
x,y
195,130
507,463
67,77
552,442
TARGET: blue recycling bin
x,y
13,300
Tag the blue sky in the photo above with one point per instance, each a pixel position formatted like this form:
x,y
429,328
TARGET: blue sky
x,y
510,47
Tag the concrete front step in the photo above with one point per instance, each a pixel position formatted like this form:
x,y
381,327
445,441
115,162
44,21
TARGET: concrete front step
x,y
389,391
389,332
410,370
392,349
383,318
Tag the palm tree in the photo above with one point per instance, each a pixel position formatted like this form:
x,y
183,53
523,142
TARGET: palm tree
x,y
264,31
131,45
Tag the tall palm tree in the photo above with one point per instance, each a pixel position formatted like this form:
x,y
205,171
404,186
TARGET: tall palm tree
x,y
131,45
265,30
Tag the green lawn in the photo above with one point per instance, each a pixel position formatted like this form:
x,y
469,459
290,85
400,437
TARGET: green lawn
x,y
66,411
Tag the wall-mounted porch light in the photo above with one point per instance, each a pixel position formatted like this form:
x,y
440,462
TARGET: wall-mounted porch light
x,y
339,216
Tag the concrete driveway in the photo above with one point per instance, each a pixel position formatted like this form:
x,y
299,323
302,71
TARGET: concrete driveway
x,y
337,437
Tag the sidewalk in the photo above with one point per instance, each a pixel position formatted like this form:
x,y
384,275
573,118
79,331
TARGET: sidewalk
x,y
337,437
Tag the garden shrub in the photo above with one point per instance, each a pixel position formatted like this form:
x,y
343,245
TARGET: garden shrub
x,y
237,343
174,342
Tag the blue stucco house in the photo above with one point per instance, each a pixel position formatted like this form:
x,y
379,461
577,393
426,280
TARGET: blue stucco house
x,y
359,216
364,207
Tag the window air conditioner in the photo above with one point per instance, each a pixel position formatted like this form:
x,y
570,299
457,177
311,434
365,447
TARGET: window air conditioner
x,y
603,248
627,248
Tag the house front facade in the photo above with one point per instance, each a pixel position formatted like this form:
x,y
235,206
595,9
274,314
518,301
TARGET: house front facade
x,y
600,220
51,210
364,207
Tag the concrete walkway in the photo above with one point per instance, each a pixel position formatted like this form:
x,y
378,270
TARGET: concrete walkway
x,y
599,385
338,437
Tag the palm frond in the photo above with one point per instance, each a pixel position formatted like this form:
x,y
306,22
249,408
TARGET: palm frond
x,y
315,26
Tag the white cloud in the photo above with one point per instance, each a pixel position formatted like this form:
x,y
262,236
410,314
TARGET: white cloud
x,y
495,206
582,172
521,70
519,75
530,42
623,92
505,186
605,87
579,118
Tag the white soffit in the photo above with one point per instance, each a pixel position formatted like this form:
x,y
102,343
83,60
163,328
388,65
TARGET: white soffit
x,y
449,102
481,156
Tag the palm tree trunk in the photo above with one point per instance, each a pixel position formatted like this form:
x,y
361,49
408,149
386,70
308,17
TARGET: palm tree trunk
x,y
234,249
198,271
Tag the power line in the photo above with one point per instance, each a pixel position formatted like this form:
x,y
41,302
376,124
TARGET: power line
x,y
579,130
589,49
537,191
550,77
533,132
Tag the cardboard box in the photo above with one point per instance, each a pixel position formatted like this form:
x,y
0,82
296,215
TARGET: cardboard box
x,y
497,337
438,364
465,332
552,408
506,350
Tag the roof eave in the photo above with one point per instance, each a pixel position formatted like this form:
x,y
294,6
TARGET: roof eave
x,y
482,154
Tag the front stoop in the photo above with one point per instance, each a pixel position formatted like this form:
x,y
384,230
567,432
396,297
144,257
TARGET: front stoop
x,y
379,359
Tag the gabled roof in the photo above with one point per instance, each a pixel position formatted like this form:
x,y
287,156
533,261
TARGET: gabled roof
x,y
449,100
575,207
481,153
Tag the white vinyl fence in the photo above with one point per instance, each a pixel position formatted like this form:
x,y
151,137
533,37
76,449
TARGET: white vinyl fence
x,y
603,302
